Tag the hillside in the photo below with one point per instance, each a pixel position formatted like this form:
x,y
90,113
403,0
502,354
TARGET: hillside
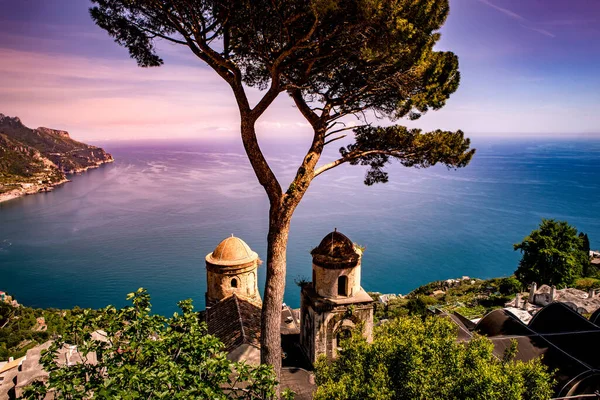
x,y
34,160
22,328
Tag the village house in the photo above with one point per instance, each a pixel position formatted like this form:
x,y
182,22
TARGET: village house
x,y
580,301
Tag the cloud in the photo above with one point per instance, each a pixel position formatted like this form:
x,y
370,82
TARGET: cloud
x,y
538,30
525,23
98,98
504,11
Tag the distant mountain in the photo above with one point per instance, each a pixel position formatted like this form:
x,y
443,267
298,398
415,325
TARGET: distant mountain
x,y
34,160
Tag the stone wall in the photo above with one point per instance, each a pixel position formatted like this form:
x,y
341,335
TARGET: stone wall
x,y
321,323
327,280
219,282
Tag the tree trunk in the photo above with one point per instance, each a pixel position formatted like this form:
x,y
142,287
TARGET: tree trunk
x,y
279,226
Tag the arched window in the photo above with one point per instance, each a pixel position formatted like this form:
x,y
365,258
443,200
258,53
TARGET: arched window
x,y
234,282
343,334
342,285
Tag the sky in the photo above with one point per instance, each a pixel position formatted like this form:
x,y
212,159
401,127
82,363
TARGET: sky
x,y
528,67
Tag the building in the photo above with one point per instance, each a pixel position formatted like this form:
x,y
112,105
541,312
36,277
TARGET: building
x,y
231,269
334,302
581,301
16,375
567,341
233,303
332,305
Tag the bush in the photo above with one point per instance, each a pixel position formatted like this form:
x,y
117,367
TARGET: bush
x,y
587,283
414,359
510,285
419,305
149,356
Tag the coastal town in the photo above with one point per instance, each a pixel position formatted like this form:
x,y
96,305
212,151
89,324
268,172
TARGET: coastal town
x,y
561,326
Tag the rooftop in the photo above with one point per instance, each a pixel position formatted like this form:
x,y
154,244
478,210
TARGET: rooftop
x,y
234,321
230,252
583,302
335,251
566,339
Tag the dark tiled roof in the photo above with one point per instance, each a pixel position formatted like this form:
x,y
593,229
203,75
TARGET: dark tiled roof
x,y
567,342
234,321
557,317
583,346
595,317
501,322
335,251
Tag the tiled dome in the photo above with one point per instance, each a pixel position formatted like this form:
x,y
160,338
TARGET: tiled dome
x,y
335,251
230,252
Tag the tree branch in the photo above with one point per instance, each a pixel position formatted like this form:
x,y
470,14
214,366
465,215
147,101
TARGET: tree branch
x,y
340,130
334,139
306,111
356,156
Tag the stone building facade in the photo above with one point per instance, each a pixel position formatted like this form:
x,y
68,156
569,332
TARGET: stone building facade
x,y
232,269
334,303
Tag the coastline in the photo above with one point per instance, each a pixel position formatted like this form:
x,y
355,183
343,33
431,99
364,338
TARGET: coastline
x,y
45,187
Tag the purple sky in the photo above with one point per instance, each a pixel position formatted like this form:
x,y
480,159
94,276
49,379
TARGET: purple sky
x,y
528,67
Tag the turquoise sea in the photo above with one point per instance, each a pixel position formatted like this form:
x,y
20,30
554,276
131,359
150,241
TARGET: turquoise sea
x,y
149,219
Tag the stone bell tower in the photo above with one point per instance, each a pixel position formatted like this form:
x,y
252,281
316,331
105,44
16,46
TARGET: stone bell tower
x,y
334,303
232,269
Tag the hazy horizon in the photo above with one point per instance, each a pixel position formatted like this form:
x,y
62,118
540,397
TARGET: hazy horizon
x,y
526,68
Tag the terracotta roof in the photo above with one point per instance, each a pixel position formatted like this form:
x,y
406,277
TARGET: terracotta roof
x,y
335,251
234,321
231,251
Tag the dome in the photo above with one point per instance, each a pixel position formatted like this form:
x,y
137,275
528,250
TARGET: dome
x,y
230,252
335,251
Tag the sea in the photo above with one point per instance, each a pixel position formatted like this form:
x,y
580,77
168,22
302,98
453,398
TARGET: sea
x,y
149,219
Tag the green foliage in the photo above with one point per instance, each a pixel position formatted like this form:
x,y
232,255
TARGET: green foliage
x,y
354,54
552,255
20,329
394,308
409,146
33,155
587,268
587,283
347,56
510,285
418,305
472,298
149,356
17,164
414,359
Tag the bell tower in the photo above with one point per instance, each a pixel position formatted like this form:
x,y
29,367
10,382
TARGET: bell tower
x,y
232,269
334,303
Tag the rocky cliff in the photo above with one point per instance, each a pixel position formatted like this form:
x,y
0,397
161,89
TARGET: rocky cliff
x,y
34,160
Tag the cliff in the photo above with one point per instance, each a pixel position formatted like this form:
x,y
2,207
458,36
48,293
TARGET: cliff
x,y
34,160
